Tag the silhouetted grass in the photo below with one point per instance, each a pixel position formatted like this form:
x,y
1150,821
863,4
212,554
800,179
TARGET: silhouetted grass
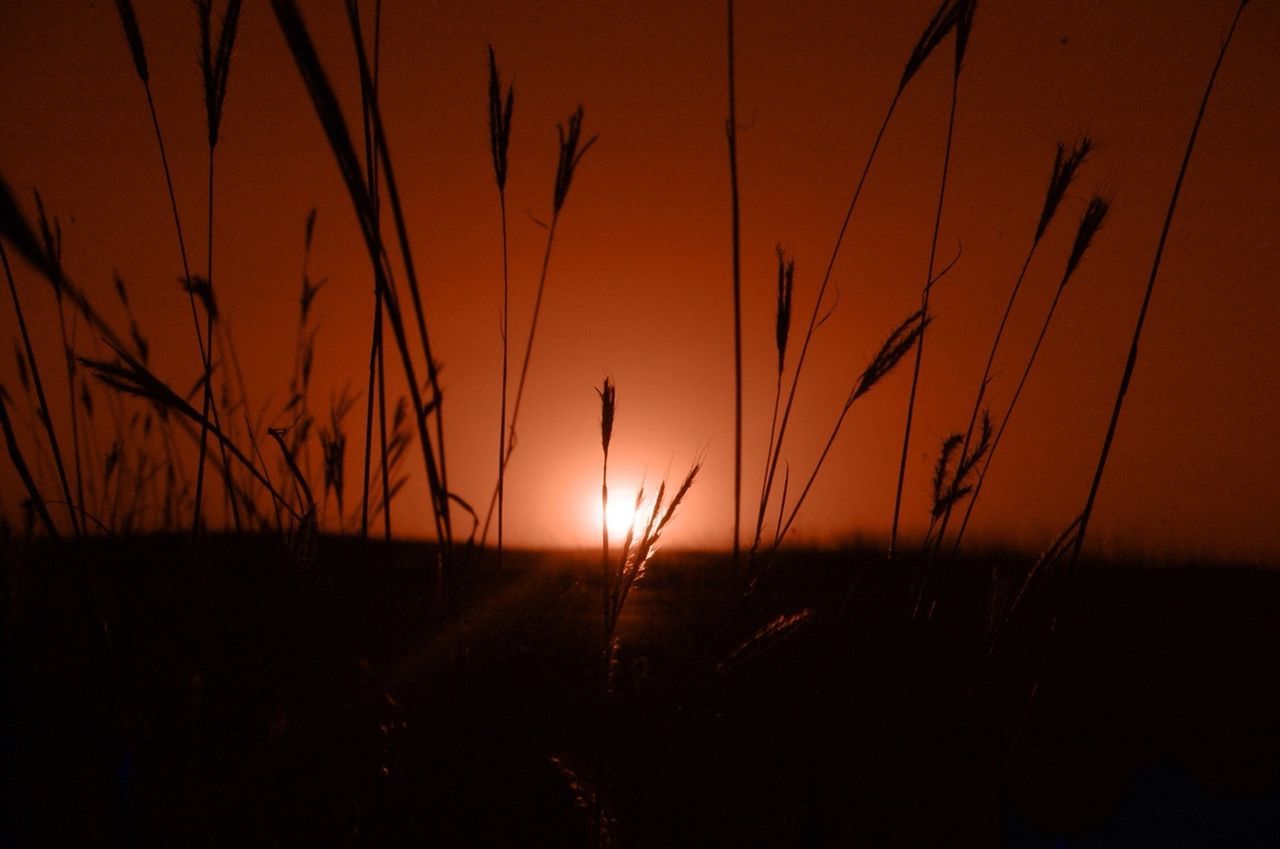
x,y
1132,360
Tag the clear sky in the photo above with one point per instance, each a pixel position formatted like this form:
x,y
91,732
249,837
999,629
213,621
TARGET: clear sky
x,y
639,284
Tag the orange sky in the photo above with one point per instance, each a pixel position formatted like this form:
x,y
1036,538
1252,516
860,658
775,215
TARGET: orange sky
x,y
639,283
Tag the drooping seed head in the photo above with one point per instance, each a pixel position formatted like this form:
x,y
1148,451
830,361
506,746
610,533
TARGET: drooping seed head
x,y
199,286
899,343
939,27
1090,224
133,35
499,122
608,397
570,155
786,279
964,25
310,230
941,473
1064,170
215,60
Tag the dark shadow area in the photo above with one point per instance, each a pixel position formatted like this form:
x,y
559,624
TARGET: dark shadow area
x,y
232,693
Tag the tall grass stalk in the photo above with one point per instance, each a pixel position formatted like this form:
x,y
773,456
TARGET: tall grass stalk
x,y
215,66
962,13
51,233
572,149
608,400
338,136
438,477
781,336
1064,169
133,37
1132,359
731,131
942,22
1090,222
899,343
42,412
377,360
499,138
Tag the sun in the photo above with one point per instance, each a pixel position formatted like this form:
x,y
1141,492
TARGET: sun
x,y
621,515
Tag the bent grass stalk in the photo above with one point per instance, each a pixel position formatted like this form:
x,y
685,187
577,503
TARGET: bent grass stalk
x,y
962,21
377,360
1064,169
441,495
1132,359
935,31
731,130
325,103
899,343
215,66
1094,215
572,149
499,138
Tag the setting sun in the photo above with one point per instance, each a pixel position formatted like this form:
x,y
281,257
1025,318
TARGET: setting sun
x,y
621,513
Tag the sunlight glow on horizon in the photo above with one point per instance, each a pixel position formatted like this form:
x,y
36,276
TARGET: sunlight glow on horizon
x,y
622,514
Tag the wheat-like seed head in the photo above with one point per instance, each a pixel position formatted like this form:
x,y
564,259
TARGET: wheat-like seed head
x,y
1064,170
570,155
608,393
964,25
133,35
939,27
1090,224
499,122
786,281
900,342
215,61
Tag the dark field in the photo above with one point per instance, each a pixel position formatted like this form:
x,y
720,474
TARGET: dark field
x,y
249,696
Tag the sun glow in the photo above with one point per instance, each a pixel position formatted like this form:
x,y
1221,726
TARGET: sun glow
x,y
622,514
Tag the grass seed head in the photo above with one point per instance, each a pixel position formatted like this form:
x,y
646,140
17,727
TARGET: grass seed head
x,y
608,395
570,155
215,60
133,35
899,343
499,122
786,280
964,25
1090,224
939,27
1064,170
941,472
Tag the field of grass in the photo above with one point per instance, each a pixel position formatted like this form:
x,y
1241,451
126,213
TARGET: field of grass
x,y
212,635
246,698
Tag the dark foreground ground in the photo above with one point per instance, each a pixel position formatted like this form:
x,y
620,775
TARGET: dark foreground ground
x,y
158,693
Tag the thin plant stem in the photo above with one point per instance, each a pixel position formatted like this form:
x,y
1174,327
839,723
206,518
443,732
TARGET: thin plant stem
x,y
731,130
1004,421
68,350
524,368
815,319
924,308
208,368
376,358
981,394
502,413
1132,359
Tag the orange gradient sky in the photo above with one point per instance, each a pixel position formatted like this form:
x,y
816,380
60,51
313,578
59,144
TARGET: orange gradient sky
x,y
639,284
